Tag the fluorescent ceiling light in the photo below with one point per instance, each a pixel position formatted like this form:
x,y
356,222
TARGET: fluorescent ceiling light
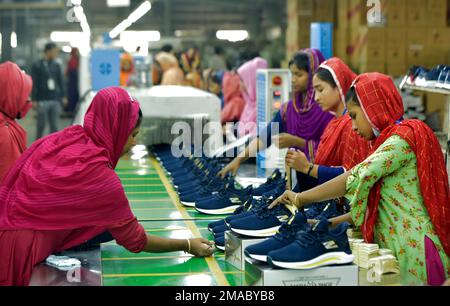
x,y
118,3
232,35
120,28
140,36
67,49
66,36
137,14
143,9
13,40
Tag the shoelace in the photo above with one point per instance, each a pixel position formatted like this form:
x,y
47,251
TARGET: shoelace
x,y
287,231
265,212
307,238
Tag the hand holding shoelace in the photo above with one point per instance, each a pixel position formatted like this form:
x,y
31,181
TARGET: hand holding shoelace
x,y
288,198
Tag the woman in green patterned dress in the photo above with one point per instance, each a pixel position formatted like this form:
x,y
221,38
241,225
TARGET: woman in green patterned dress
x,y
399,195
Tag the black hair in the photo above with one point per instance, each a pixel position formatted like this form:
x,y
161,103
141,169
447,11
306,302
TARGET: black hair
x,y
352,96
326,76
50,46
139,121
301,60
218,50
167,48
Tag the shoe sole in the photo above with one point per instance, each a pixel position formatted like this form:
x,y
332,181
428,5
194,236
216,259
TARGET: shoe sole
x,y
264,233
336,258
224,211
260,258
188,204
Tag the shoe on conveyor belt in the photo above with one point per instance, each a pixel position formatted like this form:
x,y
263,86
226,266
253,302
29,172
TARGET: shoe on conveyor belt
x,y
285,236
314,248
264,223
226,202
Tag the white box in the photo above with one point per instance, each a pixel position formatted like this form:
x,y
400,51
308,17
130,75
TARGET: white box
x,y
235,246
257,274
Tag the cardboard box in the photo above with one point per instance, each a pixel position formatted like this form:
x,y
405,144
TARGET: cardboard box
x,y
417,46
356,14
397,69
341,40
396,13
417,13
263,275
438,45
306,5
437,13
396,47
234,248
372,44
372,66
343,7
325,11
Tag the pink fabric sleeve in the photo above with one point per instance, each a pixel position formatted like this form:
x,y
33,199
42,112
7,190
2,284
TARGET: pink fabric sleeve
x,y
131,235
232,110
9,151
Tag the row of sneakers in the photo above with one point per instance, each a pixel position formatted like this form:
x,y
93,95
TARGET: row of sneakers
x,y
292,243
438,77
197,184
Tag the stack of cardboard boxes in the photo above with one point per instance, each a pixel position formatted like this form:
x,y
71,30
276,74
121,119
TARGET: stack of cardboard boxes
x,y
301,13
402,33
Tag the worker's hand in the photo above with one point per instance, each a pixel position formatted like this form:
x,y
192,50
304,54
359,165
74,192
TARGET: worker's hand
x,y
285,140
298,161
288,198
201,247
232,168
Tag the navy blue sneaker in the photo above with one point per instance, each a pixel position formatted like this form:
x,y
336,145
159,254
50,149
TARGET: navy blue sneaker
x,y
225,203
326,210
263,223
214,187
220,242
277,190
218,230
442,77
284,237
314,248
212,225
243,211
272,183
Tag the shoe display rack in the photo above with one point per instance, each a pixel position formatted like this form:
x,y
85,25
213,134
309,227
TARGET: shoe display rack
x,y
442,91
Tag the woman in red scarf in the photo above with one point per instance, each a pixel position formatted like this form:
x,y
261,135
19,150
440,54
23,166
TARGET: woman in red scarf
x,y
340,148
63,191
400,194
15,88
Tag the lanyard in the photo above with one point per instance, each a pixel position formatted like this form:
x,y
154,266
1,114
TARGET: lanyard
x,y
47,68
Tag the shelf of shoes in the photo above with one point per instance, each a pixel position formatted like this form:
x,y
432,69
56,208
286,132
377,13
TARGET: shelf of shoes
x,y
442,91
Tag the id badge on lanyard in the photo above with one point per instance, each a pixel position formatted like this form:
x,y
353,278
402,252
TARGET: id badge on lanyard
x,y
51,84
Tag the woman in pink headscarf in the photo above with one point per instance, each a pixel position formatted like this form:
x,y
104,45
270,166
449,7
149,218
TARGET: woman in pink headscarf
x,y
15,88
63,191
247,124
